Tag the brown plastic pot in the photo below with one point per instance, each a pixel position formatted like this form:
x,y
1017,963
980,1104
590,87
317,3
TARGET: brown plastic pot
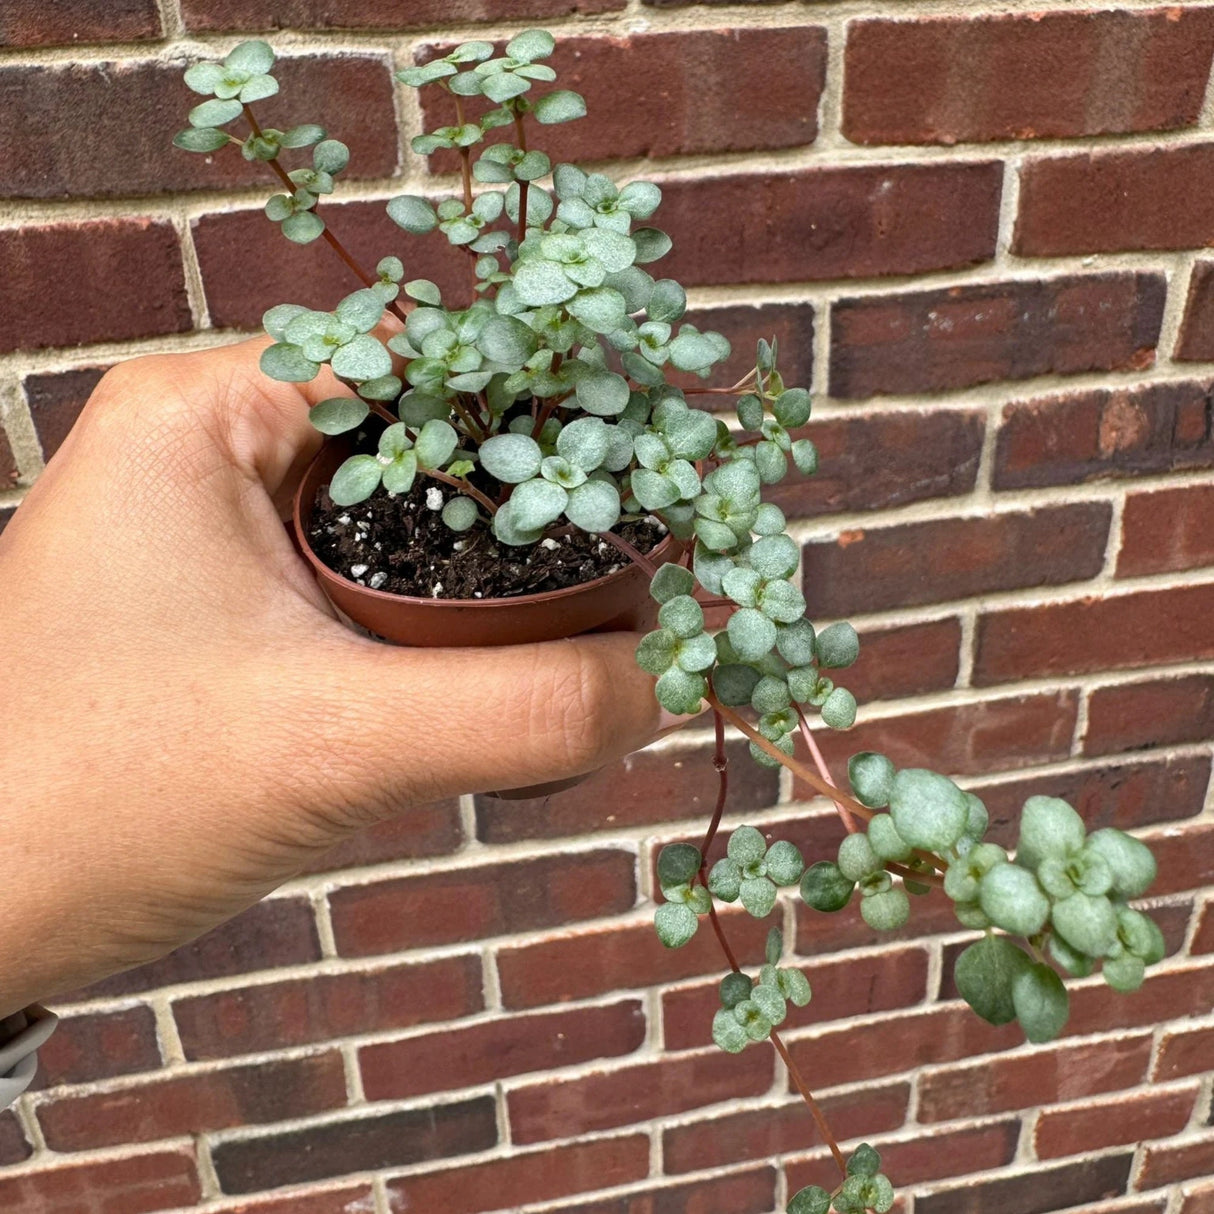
x,y
618,602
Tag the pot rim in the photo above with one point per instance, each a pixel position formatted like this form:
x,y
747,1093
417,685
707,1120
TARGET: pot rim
x,y
544,596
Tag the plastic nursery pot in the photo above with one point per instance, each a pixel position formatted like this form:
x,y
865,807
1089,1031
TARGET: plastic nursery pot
x,y
615,603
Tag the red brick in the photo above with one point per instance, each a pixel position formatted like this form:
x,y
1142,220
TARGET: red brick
x,y
1105,1123
55,400
700,113
1167,531
99,1045
1109,632
1122,795
1196,341
603,1100
1028,76
749,1192
878,461
582,964
136,109
426,830
369,15
73,22
473,903
193,1103
1020,1080
854,986
239,288
1203,940
8,463
932,341
1162,712
968,739
854,1053
646,787
136,1184
874,569
532,1176
275,932
355,1144
1184,1052
322,1007
1105,433
759,1133
330,1201
1198,1201
497,1049
929,1155
1036,1191
1186,860
14,1147
1162,997
906,660
1100,202
1167,1164
865,222
146,299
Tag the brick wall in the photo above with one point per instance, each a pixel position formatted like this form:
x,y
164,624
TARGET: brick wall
x,y
980,235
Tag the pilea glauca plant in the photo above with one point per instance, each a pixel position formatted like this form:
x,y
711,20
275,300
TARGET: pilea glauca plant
x,y
544,398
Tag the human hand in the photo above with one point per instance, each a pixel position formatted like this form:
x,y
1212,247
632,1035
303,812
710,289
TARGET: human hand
x,y
189,724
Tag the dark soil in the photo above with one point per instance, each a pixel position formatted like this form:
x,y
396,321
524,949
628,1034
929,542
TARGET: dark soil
x,y
401,545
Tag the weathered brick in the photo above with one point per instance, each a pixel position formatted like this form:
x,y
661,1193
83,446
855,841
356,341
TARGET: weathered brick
x,y
726,1137
454,1058
582,964
906,660
852,986
646,787
1025,76
185,1104
524,1177
74,22
55,400
1162,712
145,299
239,288
1100,202
603,1100
1165,995
370,15
1130,1118
1105,433
345,1200
1203,940
135,1184
880,460
932,341
322,1007
1166,1164
748,1192
881,567
1019,1080
1125,795
135,109
928,1155
1196,340
1186,861
1035,1191
968,739
1166,531
99,1045
854,1053
699,112
425,830
1109,632
1184,1052
8,463
356,1144
491,900
861,222
1199,1200
14,1147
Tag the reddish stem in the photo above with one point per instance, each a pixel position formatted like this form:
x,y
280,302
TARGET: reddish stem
x,y
520,132
462,485
823,770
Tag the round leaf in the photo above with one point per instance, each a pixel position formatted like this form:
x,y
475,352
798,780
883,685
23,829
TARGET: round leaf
x,y
603,393
338,414
562,105
929,811
676,924
436,443
412,213
511,458
1041,1003
287,364
825,888
872,778
985,974
1011,898
594,506
355,480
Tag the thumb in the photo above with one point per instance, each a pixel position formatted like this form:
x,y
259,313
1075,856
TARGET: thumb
x,y
413,725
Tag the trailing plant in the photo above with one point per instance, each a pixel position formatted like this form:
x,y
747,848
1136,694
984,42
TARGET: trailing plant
x,y
553,395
